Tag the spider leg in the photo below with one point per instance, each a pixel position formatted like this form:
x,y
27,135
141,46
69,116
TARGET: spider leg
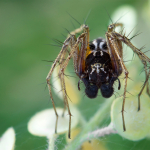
x,y
79,56
75,55
144,59
74,49
78,30
61,53
62,59
124,95
111,27
116,50
73,43
145,83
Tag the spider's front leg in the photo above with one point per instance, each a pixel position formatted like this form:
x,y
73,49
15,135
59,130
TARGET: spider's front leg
x,y
74,51
60,60
115,51
73,43
144,59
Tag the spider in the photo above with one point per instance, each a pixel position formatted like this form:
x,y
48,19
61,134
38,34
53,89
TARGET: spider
x,y
98,64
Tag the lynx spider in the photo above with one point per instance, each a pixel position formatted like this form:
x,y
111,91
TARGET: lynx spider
x,y
113,42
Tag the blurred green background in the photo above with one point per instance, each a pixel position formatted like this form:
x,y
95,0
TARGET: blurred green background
x,y
26,30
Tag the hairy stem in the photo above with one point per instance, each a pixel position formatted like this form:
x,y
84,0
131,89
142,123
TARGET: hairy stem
x,y
51,142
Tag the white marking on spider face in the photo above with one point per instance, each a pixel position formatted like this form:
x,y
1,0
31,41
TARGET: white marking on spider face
x,y
101,46
97,66
103,70
95,43
93,69
97,69
101,53
94,53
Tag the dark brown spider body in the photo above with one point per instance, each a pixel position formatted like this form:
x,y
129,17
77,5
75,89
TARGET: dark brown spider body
x,y
99,73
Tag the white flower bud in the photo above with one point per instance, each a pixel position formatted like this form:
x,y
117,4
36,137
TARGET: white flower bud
x,y
7,141
43,123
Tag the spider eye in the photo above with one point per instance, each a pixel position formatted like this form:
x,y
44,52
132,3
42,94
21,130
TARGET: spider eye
x,y
103,46
92,46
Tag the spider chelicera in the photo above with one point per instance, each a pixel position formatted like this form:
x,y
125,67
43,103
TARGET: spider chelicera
x,y
98,64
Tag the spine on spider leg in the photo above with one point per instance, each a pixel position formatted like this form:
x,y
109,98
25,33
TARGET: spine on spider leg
x,y
140,54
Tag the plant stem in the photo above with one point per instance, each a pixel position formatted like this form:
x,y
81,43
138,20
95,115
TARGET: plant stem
x,y
91,125
99,133
51,141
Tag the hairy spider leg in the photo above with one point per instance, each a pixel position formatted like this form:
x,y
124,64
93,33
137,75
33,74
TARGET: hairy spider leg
x,y
73,53
73,43
63,50
112,40
115,50
63,57
144,59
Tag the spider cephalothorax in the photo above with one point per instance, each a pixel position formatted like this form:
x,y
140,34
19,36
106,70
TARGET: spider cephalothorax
x,y
98,64
99,73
